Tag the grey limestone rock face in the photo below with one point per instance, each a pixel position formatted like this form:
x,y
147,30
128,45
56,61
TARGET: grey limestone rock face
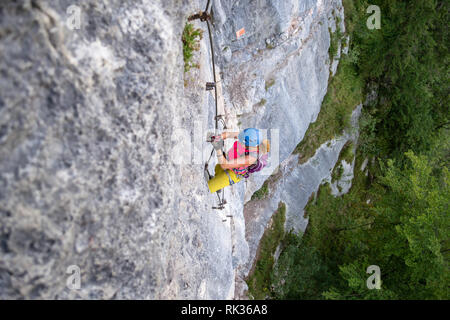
x,y
84,117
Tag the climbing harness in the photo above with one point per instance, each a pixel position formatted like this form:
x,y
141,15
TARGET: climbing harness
x,y
206,17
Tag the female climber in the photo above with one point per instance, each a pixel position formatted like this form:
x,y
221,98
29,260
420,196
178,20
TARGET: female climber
x,y
248,154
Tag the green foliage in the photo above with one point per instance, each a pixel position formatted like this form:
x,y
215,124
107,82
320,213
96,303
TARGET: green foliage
x,y
269,83
334,44
262,102
346,155
353,55
335,38
300,272
190,38
338,170
407,59
367,134
356,278
417,206
261,192
347,152
404,230
259,282
408,236
344,94
310,266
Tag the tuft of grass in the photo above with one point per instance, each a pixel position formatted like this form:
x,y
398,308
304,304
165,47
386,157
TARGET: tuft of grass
x,y
336,175
335,37
262,102
262,192
347,152
269,83
345,92
352,16
259,280
334,43
191,42
347,155
310,202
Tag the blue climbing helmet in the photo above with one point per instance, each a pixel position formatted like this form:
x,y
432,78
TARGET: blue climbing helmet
x,y
250,137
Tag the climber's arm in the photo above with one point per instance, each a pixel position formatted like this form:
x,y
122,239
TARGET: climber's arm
x,y
235,163
228,135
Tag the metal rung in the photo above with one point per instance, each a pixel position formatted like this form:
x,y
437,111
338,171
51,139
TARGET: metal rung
x,y
210,85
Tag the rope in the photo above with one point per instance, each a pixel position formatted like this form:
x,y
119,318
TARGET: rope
x,y
207,5
213,67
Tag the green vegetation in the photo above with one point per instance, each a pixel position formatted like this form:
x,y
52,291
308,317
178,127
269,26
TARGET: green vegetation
x,y
334,42
403,229
396,217
346,155
191,42
347,152
259,280
288,284
335,37
337,173
262,102
345,92
407,62
269,83
262,192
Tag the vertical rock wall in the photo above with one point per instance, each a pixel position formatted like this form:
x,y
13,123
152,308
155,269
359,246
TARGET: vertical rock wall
x,y
85,116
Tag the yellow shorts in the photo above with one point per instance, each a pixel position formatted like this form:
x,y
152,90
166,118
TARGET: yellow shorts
x,y
222,179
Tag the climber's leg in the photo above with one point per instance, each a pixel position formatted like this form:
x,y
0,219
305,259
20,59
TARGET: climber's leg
x,y
221,179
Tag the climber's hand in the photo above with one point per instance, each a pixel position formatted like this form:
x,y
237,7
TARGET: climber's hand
x,y
217,144
210,137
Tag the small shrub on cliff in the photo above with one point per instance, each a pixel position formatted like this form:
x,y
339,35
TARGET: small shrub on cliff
x,y
262,192
190,38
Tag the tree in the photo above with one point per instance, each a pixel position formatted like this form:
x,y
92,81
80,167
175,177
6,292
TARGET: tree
x,y
416,207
